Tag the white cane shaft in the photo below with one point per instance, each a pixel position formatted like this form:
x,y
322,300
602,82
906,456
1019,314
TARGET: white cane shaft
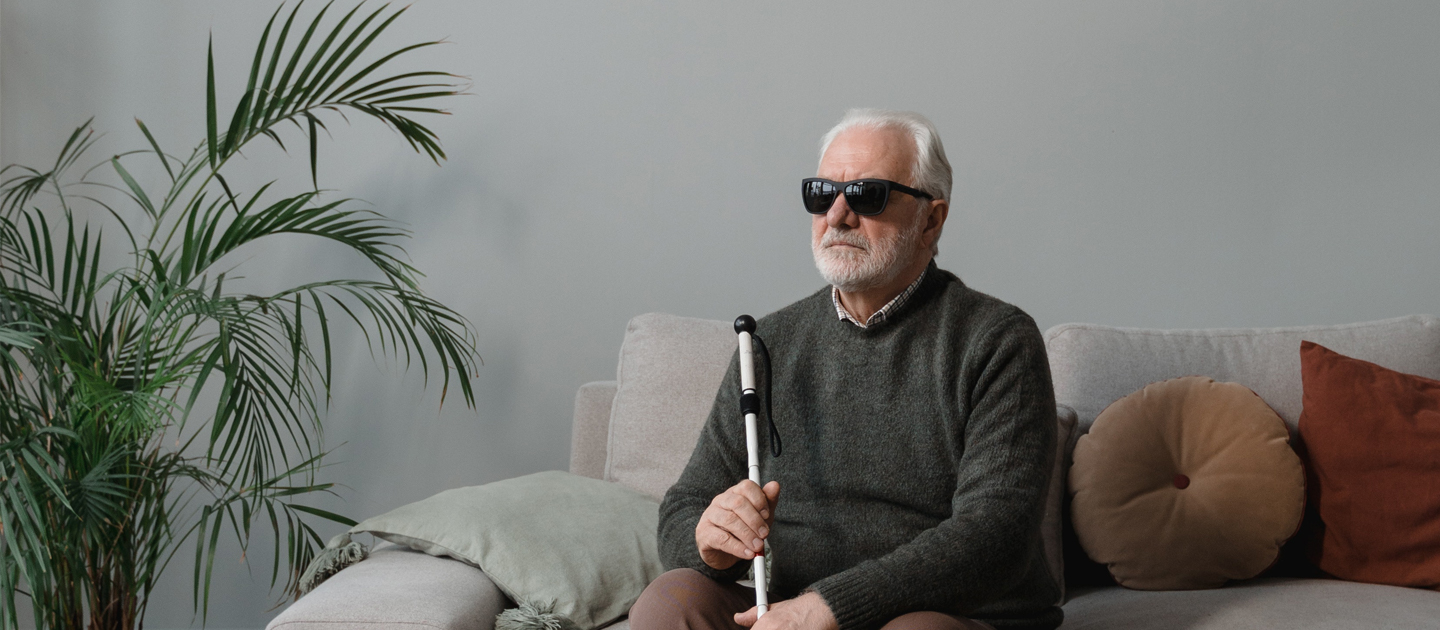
x,y
752,450
762,601
747,362
752,447
762,604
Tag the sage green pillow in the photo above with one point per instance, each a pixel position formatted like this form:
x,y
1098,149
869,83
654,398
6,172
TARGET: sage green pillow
x,y
558,544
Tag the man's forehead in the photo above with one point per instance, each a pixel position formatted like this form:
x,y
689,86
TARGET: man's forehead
x,y
866,150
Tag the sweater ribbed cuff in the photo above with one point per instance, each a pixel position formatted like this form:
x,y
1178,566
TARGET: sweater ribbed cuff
x,y
732,574
852,599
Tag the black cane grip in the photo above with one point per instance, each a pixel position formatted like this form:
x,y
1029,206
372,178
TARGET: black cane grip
x,y
744,323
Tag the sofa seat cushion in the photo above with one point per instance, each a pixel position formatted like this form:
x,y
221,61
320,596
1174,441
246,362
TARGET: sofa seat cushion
x,y
398,589
1270,603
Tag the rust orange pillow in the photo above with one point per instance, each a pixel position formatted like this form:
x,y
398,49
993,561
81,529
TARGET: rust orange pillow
x,y
1186,484
1372,444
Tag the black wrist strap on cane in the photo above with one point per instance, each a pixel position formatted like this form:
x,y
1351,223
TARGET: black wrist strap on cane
x,y
764,353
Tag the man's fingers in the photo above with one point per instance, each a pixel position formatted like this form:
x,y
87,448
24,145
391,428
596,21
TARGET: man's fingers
x,y
738,521
739,531
752,494
719,539
748,617
744,521
728,543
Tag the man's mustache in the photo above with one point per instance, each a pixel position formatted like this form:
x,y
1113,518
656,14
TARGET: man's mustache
x,y
833,237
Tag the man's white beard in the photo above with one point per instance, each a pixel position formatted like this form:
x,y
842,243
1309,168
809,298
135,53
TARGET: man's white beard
x,y
873,265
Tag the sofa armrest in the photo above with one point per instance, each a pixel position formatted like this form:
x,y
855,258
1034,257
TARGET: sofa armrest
x,y
1053,523
590,433
398,589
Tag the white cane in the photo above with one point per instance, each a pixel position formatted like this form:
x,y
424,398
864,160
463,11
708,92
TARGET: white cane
x,y
750,406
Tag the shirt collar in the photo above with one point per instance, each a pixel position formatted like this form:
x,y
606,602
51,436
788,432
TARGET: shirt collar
x,y
881,315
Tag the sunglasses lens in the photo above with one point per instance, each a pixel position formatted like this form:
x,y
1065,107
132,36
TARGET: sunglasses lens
x,y
818,196
866,198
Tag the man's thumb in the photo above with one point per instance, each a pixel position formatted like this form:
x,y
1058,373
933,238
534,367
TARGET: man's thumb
x,y
747,618
772,491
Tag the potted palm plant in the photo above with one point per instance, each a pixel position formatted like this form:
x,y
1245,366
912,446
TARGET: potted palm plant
x,y
157,404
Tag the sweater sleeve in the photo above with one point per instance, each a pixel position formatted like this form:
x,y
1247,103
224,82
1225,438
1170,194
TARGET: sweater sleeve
x,y
717,463
984,547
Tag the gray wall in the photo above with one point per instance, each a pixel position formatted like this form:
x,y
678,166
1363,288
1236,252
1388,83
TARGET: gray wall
x,y
1135,163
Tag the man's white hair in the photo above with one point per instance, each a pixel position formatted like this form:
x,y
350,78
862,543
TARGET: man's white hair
x,y
931,170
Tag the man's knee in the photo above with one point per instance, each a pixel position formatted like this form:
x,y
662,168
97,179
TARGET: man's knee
x,y
684,599
929,620
679,589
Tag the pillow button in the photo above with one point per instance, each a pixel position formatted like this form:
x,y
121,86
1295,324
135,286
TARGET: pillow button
x,y
1181,481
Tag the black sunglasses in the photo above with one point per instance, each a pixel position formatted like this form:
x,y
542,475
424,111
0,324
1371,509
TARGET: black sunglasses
x,y
866,197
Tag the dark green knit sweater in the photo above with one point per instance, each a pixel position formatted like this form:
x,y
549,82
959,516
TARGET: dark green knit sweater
x,y
916,458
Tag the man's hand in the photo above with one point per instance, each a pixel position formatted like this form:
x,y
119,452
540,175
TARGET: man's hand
x,y
735,525
806,612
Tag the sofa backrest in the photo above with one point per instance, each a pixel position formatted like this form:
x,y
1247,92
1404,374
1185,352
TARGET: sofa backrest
x,y
639,430
1093,365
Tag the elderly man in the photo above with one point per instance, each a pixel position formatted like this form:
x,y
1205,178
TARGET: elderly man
x,y
918,422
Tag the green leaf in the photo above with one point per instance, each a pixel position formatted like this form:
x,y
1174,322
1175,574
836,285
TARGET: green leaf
x,y
228,194
165,162
298,92
79,140
329,516
135,188
210,115
314,151
262,105
280,102
11,335
307,90
250,99
360,48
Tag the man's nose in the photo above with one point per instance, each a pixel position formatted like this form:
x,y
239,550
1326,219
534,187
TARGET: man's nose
x,y
840,214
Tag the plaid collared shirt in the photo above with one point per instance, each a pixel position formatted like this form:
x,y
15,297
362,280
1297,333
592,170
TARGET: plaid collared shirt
x,y
884,313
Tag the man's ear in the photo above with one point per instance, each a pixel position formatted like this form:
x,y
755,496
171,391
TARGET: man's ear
x,y
939,210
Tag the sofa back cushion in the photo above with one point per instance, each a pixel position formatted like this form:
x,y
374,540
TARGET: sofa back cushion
x,y
1094,366
1188,483
1372,439
670,369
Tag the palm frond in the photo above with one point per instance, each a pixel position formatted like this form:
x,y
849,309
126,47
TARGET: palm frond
x,y
19,189
327,81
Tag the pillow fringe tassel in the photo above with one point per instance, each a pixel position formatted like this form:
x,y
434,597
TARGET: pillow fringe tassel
x,y
529,616
339,553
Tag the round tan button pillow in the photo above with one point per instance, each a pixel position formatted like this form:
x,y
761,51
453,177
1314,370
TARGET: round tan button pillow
x,y
1186,484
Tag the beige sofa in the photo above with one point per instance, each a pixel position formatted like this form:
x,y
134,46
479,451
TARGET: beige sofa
x,y
638,431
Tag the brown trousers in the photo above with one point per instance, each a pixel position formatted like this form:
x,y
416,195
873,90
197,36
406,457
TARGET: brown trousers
x,y
684,599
